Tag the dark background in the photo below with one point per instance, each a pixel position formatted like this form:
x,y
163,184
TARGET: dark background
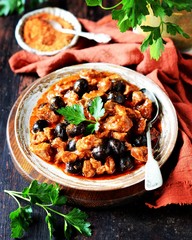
x,y
133,221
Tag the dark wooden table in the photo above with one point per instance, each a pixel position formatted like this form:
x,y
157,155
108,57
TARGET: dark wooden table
x,y
133,221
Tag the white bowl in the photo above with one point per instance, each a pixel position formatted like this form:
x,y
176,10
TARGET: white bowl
x,y
91,192
67,16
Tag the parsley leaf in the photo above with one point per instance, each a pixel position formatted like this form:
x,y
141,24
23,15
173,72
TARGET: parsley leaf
x,y
94,3
77,219
155,40
173,29
9,6
96,109
20,221
44,193
45,196
50,224
75,114
91,128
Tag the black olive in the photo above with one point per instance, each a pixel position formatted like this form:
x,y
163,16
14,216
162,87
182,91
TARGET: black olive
x,y
56,103
116,146
126,162
74,167
116,97
100,152
71,145
60,131
75,130
81,86
39,125
139,140
118,86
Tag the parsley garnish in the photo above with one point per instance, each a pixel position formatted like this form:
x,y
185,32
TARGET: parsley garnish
x,y
75,114
130,13
9,6
45,196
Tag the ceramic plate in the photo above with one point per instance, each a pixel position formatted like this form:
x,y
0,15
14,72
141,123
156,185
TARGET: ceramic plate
x,y
166,143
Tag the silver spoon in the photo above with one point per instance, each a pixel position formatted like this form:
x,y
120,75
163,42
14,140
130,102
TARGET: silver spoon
x,y
153,176
98,37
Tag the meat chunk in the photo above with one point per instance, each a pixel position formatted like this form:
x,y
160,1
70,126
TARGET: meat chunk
x,y
43,150
118,123
139,153
71,97
104,85
92,94
120,136
137,97
88,170
38,137
49,133
65,156
146,109
110,165
58,144
140,126
44,112
87,143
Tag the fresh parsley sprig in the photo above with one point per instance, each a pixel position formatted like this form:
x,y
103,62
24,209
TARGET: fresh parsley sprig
x,y
75,114
9,6
45,196
131,13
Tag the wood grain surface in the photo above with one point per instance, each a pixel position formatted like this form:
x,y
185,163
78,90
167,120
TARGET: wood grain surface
x,y
132,221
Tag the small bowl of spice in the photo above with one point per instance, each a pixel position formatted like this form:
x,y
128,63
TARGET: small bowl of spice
x,y
35,34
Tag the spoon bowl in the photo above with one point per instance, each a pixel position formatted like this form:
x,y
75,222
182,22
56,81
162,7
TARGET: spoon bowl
x,y
153,176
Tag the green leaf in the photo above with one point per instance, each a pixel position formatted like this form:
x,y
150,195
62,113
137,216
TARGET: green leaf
x,y
20,221
158,10
7,7
73,114
179,5
123,20
131,14
50,225
77,219
91,128
154,40
173,29
67,230
156,48
96,109
42,193
146,42
93,3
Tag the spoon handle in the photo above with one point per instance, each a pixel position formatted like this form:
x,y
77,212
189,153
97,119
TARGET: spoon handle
x,y
153,176
98,37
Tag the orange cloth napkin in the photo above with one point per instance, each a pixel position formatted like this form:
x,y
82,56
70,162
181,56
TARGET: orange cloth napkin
x,y
173,73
